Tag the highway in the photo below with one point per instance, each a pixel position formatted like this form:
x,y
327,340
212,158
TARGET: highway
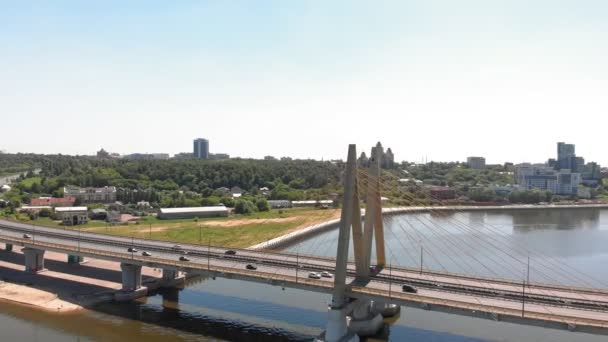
x,y
497,299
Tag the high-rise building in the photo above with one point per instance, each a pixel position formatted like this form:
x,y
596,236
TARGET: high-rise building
x,y
566,156
476,163
201,148
387,159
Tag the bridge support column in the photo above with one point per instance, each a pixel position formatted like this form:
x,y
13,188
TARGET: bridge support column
x,y
364,321
34,259
8,247
173,278
131,283
337,329
75,259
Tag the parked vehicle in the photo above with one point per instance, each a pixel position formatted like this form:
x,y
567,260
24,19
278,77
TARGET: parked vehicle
x,y
409,289
183,258
326,274
230,252
132,250
314,275
251,267
26,236
144,253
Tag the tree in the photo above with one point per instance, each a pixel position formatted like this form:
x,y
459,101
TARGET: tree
x,y
244,207
262,204
45,213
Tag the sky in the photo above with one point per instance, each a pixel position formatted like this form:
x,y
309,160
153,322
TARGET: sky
x,y
435,80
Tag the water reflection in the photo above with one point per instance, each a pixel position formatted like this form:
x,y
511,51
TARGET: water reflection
x,y
527,220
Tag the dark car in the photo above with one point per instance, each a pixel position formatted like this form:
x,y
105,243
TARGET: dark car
x,y
183,258
251,267
25,236
144,253
132,250
409,289
230,252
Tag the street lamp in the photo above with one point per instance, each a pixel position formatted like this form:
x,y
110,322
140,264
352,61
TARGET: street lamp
x,y
421,256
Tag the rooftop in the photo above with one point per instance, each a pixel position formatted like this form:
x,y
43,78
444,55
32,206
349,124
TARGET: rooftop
x,y
193,210
70,209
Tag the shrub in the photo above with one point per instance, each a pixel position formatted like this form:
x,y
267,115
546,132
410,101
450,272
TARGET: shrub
x,y
244,207
262,204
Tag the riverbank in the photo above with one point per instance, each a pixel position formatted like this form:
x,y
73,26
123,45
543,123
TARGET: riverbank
x,y
306,232
63,287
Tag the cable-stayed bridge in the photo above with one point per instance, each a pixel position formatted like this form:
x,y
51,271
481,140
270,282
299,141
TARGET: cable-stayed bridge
x,y
362,292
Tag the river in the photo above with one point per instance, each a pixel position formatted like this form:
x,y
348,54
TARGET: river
x,y
229,310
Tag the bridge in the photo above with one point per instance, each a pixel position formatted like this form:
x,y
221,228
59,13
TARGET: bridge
x,y
362,293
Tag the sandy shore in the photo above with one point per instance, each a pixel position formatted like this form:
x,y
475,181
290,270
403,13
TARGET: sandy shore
x,y
61,287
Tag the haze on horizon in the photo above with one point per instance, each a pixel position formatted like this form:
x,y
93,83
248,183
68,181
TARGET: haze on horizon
x,y
438,79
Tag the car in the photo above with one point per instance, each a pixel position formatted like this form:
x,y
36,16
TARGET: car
x,y
132,250
144,253
314,275
409,289
251,267
324,206
326,274
26,236
373,269
230,252
183,258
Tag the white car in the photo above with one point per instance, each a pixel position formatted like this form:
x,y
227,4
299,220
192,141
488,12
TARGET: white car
x,y
326,274
314,275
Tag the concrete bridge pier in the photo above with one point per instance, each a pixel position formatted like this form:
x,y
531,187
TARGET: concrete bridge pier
x,y
364,321
75,259
8,247
34,259
131,283
337,329
173,278
384,309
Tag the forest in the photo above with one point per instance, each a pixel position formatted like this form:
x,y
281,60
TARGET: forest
x,y
171,182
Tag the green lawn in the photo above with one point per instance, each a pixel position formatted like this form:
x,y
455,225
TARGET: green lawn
x,y
28,182
233,231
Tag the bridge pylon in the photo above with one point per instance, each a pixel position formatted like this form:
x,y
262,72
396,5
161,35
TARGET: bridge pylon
x,y
363,318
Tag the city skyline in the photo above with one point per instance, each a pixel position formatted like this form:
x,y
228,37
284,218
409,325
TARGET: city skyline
x,y
437,79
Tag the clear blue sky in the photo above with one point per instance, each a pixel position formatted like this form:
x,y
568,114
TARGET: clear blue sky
x,y
443,79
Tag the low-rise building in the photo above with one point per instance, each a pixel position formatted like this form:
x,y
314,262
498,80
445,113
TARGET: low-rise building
x,y
71,216
442,193
92,195
279,204
34,209
147,156
311,204
53,201
190,213
98,214
559,182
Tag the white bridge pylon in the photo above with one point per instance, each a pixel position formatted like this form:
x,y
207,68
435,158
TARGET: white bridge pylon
x,y
363,318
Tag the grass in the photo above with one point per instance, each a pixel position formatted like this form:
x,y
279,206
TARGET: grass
x,y
251,229
28,182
